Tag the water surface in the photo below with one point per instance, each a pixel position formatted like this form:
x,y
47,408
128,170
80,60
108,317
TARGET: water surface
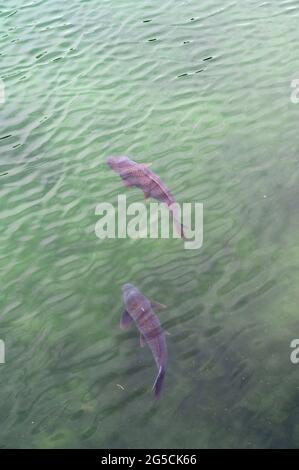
x,y
201,90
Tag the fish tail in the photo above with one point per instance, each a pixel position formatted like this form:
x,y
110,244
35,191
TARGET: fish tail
x,y
177,220
180,228
157,387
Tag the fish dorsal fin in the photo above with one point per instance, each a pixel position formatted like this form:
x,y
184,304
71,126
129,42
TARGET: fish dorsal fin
x,y
126,183
157,305
126,320
156,179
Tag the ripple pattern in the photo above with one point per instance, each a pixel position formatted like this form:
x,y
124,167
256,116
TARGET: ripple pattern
x,y
201,90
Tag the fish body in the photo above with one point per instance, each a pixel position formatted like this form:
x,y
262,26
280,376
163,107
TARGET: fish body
x,y
140,176
139,309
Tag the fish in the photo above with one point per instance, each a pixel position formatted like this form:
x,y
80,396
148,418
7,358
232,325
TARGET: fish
x,y
140,310
140,176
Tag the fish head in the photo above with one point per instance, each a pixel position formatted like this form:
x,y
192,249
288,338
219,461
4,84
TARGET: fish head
x,y
127,287
116,163
129,292
134,299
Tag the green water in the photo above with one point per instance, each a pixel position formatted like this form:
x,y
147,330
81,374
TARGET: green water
x,y
84,80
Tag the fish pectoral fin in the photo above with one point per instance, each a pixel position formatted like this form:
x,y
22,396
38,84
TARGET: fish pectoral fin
x,y
158,305
146,194
146,165
142,341
126,320
127,183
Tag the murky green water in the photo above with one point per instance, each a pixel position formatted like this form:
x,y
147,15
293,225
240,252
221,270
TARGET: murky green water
x,y
85,80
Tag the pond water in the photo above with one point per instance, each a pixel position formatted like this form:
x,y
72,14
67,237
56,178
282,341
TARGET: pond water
x,y
202,90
